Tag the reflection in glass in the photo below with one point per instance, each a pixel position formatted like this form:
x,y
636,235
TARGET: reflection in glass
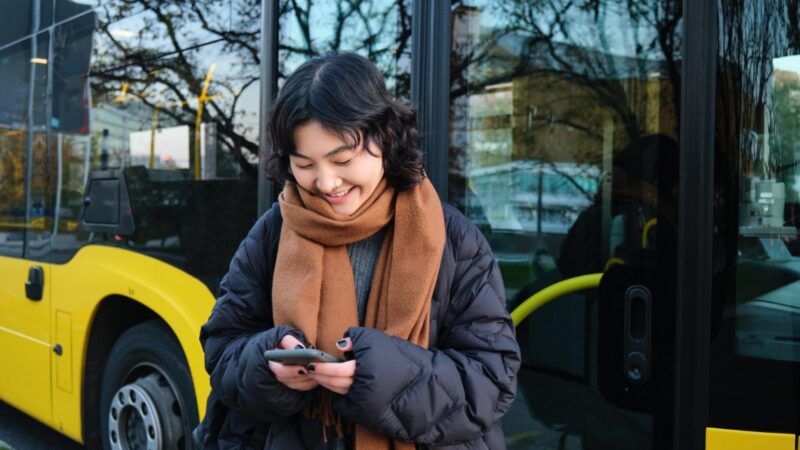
x,y
379,30
45,12
17,22
757,214
66,9
168,101
144,71
15,84
765,326
563,150
39,203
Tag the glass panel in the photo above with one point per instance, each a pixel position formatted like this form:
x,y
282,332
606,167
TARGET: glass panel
x,y
563,150
380,30
15,84
16,21
45,13
169,103
66,9
757,214
42,166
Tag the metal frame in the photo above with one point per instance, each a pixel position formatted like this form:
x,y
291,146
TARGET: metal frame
x,y
269,88
695,224
430,85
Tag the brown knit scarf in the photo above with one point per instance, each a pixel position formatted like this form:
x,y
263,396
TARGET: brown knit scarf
x,y
313,286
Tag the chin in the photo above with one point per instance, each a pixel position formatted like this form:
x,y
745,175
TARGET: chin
x,y
348,211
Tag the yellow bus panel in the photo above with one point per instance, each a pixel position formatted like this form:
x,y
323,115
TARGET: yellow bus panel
x,y
722,439
98,272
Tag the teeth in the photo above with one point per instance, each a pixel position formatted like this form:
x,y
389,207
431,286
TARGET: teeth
x,y
339,194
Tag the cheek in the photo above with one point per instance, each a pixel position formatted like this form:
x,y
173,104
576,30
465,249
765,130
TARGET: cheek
x,y
366,177
372,170
305,178
378,172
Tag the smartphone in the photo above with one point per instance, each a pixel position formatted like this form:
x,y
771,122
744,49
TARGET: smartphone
x,y
300,356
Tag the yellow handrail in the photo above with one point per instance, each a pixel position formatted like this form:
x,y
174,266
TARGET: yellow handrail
x,y
612,262
552,292
650,224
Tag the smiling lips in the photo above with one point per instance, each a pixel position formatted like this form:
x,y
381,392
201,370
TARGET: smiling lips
x,y
338,197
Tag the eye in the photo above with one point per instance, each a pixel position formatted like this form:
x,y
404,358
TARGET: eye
x,y
343,163
301,164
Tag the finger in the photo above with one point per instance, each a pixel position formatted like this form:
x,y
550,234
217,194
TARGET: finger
x,y
345,344
343,369
339,390
293,376
305,385
289,342
331,381
287,371
338,385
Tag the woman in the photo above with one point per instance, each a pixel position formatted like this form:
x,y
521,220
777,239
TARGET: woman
x,y
360,259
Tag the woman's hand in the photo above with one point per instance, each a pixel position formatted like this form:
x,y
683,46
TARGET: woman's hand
x,y
293,376
336,377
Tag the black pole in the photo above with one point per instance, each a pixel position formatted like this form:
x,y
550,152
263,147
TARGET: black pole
x,y
430,84
269,85
695,224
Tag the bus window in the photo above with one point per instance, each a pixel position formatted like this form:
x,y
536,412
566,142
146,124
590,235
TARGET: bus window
x,y
15,87
23,22
178,119
756,334
40,207
65,10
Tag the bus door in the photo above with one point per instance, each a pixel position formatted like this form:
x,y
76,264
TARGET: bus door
x,y
564,152
25,207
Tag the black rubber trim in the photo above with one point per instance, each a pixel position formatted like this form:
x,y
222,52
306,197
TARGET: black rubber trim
x,y
695,224
430,85
269,88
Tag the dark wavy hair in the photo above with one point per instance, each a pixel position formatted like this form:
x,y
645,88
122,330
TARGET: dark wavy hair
x,y
346,94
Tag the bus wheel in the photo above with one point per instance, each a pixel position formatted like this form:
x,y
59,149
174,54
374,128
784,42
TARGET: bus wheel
x,y
147,396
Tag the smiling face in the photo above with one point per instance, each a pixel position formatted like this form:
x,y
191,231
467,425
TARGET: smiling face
x,y
342,174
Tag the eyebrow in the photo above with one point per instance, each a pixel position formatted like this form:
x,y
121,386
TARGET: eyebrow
x,y
333,152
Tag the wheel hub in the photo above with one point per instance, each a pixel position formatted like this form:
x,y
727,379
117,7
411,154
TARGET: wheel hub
x,y
142,416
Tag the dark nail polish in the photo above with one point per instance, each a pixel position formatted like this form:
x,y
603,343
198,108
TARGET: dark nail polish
x,y
301,372
298,346
310,367
342,343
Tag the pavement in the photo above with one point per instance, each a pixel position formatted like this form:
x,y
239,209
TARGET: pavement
x,y
20,432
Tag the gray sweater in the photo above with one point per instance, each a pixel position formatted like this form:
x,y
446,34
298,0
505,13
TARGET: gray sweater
x,y
363,257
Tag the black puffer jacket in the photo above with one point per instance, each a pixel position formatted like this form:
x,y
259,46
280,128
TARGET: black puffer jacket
x,y
449,396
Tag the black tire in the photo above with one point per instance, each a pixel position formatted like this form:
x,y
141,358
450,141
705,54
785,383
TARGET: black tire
x,y
147,372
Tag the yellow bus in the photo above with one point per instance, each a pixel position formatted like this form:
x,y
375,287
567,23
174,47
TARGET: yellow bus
x,y
634,166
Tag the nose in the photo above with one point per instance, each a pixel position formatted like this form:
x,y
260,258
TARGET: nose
x,y
328,182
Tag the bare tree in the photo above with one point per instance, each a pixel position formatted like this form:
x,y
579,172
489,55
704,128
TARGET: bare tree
x,y
571,40
166,61
379,30
575,65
